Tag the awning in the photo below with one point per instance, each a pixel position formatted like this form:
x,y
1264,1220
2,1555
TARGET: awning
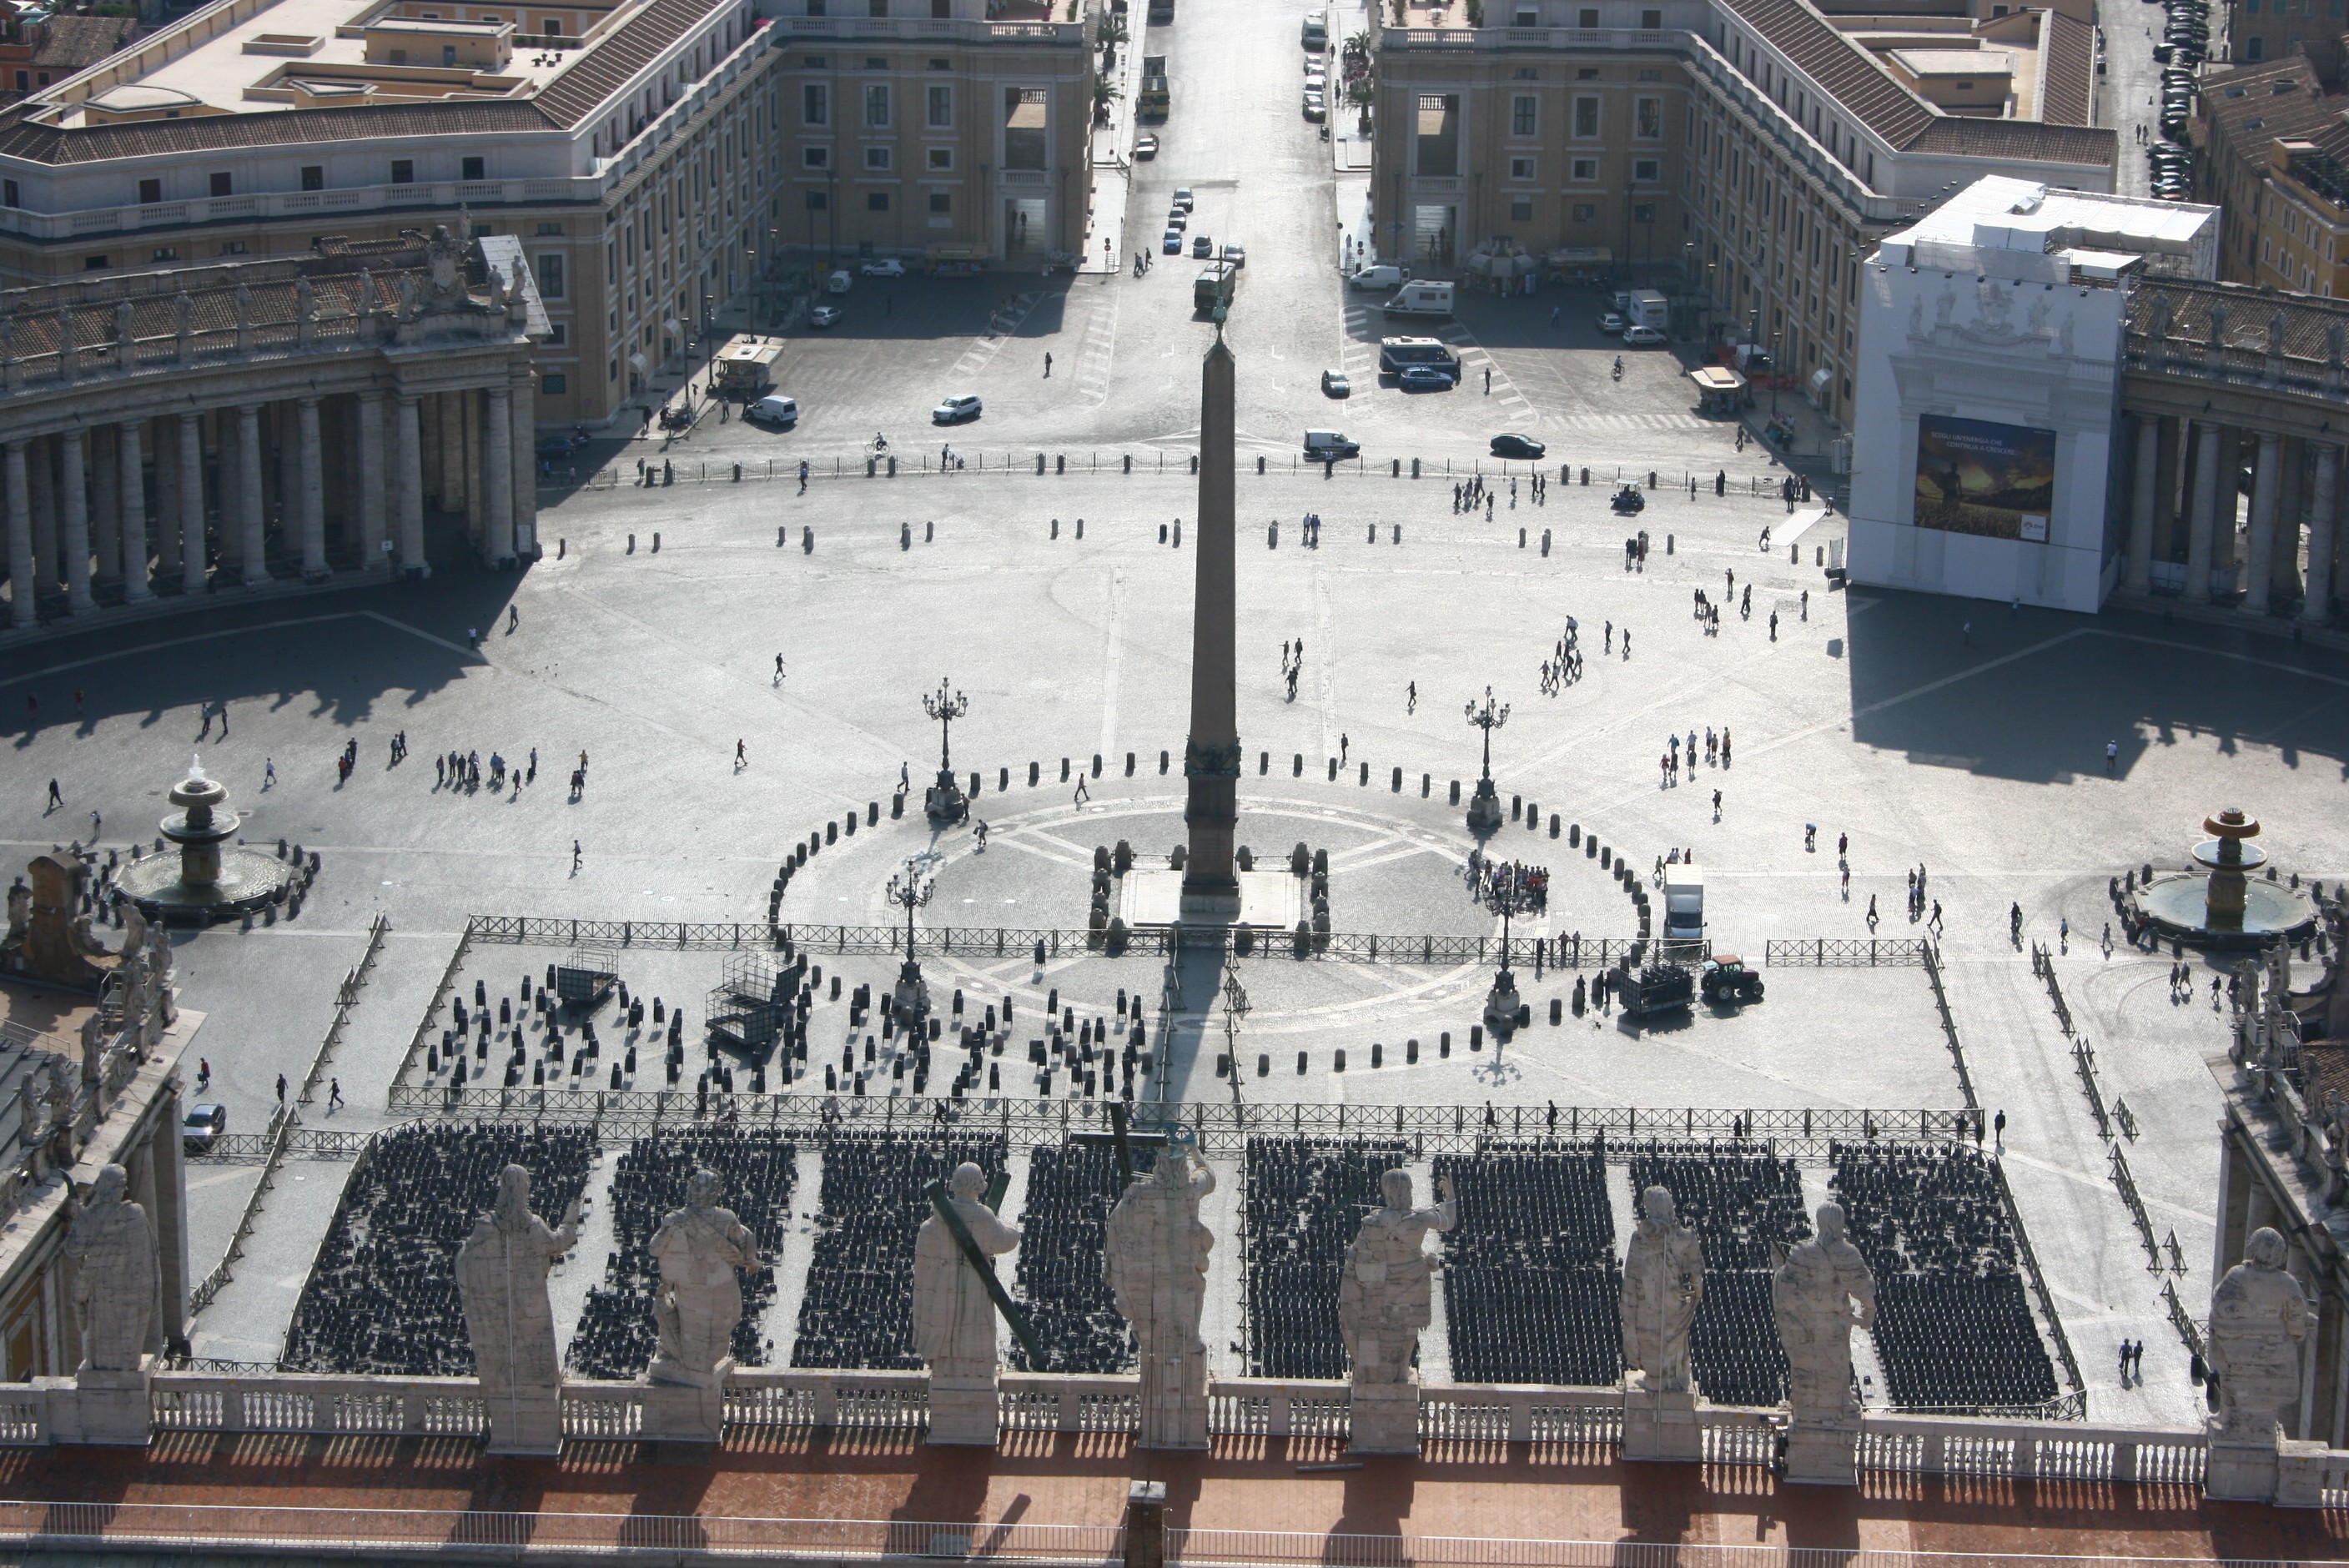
x,y
636,361
1799,524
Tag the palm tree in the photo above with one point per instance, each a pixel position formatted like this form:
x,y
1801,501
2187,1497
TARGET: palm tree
x,y
1111,29
1360,43
1105,93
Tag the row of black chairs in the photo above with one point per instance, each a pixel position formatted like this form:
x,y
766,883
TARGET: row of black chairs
x,y
755,1167
1064,1222
1304,1200
1746,1206
858,1309
1530,1282
1954,1330
382,1296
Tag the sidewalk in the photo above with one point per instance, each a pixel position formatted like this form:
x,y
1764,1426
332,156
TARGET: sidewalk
x,y
1111,152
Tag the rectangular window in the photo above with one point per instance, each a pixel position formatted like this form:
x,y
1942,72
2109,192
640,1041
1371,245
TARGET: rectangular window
x,y
1521,210
1647,171
1648,119
941,202
557,333
815,202
875,62
1584,170
1585,117
150,192
877,107
231,247
878,9
8,193
1589,17
166,254
940,110
548,267
94,264
876,200
314,177
816,157
546,229
220,184
403,171
1438,135
473,168
941,157
1521,168
1522,114
553,383
1528,16
1025,125
877,159
1584,211
815,103
1653,21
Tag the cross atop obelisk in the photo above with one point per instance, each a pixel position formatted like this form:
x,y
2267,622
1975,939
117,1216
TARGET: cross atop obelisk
x,y
1211,761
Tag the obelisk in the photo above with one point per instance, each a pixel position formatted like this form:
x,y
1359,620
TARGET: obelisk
x,y
1211,760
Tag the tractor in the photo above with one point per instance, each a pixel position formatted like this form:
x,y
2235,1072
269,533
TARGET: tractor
x,y
1727,981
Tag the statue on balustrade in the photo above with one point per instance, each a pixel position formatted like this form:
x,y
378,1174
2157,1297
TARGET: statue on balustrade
x,y
502,1272
1821,1293
954,1316
116,1281
699,1300
1663,1281
1157,1268
1386,1294
2260,1319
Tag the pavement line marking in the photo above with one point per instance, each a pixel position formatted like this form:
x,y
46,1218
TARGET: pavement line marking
x,y
1097,354
2105,1184
1323,637
1112,657
175,643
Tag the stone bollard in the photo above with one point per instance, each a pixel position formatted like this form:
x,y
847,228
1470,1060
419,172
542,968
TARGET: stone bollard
x,y
1553,825
562,548
1263,763
1056,528
896,808
1129,462
1373,538
1297,766
1545,541
807,540
1096,764
1033,769
1260,463
1081,528
1064,770
1668,544
1194,462
1178,533
1039,463
1455,791
1002,779
1161,533
656,542
1426,783
1475,1037
1059,462
872,467
929,532
1521,539
782,537
632,545
1129,765
1586,476
905,536
1165,760
1272,535
738,473
872,813
1396,789
1333,770
1414,467
1398,534
1341,1058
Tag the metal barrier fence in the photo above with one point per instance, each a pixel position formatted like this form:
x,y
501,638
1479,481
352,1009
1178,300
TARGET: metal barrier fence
x,y
1219,1126
1930,957
667,470
2077,1398
1843,951
1571,951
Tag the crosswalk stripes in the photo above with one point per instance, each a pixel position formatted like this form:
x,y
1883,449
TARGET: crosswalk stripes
x,y
1095,355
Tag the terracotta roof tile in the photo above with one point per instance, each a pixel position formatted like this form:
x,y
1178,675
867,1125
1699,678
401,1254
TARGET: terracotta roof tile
x,y
47,144
2025,141
2068,67
1842,68
588,81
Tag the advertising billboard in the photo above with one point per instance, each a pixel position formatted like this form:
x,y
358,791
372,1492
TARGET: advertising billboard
x,y
1980,478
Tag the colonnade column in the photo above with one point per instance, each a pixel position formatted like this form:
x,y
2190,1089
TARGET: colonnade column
x,y
2204,518
524,445
166,499
23,610
43,488
105,511
498,480
371,477
74,521
2321,511
2139,574
192,502
130,462
410,457
252,546
311,491
2259,561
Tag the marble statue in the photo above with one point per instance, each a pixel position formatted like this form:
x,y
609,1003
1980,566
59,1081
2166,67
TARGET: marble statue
x,y
1157,1268
1385,1297
115,1283
1663,1280
1822,1292
501,1276
699,1300
20,910
954,1316
2260,1318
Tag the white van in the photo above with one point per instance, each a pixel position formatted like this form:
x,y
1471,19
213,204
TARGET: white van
x,y
841,280
1421,297
1378,275
1683,901
1316,33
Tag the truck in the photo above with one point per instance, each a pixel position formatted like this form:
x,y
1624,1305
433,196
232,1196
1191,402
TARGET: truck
x,y
1684,902
1315,33
1153,101
1421,297
1649,308
746,366
1652,988
1214,285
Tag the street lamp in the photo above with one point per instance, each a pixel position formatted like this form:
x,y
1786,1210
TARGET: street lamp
x,y
1484,806
1507,896
945,800
911,888
1774,373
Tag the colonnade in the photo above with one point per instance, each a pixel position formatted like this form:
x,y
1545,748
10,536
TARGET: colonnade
x,y
249,492
2183,509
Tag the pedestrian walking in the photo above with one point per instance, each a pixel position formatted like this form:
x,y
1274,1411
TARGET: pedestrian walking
x,y
334,1095
513,619
55,797
1343,744
1998,1129
979,829
804,474
1081,797
741,759
95,820
1967,634
1048,362
574,855
203,1071
2112,756
1411,698
1871,913
281,1088
1488,381
1716,805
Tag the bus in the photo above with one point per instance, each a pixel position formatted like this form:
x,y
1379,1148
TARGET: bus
x,y
1397,353
1214,286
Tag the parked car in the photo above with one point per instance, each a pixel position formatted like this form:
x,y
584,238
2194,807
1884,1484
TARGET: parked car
x,y
1610,323
823,315
1236,254
776,409
1425,378
1335,385
1145,145
1316,107
1509,444
554,449
1172,244
1202,247
202,1126
1179,218
1320,444
1183,197
962,406
884,267
1643,337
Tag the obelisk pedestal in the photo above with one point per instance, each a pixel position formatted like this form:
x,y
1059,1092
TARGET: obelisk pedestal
x,y
1211,757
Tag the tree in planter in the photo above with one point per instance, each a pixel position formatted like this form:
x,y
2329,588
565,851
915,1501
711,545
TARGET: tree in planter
x,y
1110,30
1359,94
1360,43
1105,93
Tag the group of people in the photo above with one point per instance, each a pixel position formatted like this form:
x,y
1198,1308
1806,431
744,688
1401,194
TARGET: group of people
x,y
1492,882
1292,665
1564,664
1308,530
1677,746
463,770
1470,494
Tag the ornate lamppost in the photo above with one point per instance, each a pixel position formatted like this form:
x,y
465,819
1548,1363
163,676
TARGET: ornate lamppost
x,y
911,888
945,800
1507,897
1484,806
